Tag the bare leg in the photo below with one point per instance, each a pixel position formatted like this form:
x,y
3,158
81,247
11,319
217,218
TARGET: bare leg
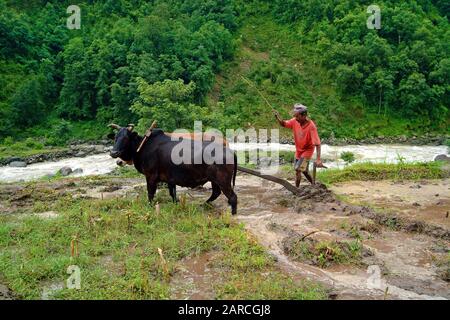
x,y
308,176
298,178
298,171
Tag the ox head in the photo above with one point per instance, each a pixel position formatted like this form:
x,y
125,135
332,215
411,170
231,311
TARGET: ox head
x,y
122,142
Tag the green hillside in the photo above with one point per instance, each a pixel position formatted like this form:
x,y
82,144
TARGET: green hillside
x,y
286,71
124,64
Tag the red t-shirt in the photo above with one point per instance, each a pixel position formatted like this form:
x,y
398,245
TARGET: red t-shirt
x,y
305,138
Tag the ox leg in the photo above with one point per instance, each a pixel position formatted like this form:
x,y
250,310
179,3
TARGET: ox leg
x,y
173,191
152,185
232,198
215,192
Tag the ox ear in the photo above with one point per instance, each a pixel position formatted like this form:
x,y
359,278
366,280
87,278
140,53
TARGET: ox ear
x,y
111,136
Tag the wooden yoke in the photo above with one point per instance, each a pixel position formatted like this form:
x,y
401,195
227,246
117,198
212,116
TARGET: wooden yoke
x,y
147,135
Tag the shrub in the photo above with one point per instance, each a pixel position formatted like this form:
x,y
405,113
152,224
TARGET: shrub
x,y
348,156
31,143
60,133
8,141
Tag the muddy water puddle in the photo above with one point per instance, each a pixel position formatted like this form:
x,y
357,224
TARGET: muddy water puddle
x,y
194,278
404,263
427,201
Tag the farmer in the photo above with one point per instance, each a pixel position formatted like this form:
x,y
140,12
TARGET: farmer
x,y
306,139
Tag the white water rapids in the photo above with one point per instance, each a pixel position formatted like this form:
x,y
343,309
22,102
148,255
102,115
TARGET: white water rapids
x,y
103,163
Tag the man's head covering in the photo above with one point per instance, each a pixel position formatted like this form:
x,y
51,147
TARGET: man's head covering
x,y
298,107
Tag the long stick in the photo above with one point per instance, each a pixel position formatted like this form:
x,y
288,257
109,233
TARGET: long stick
x,y
283,182
146,136
260,93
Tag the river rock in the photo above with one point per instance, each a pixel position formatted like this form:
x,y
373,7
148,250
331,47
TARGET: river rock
x,y
99,149
18,164
11,159
65,171
77,171
442,157
81,154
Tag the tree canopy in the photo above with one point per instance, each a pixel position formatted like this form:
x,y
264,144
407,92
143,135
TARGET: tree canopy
x,y
132,52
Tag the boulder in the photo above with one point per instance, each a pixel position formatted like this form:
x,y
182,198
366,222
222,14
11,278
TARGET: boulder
x,y
442,157
65,171
99,149
18,164
9,160
77,171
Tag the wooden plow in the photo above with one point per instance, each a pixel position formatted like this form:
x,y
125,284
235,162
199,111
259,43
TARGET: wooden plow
x,y
302,193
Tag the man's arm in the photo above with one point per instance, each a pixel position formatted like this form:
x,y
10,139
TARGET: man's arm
x,y
318,150
277,116
316,142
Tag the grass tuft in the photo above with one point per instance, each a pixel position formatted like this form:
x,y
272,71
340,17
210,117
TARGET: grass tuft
x,y
383,171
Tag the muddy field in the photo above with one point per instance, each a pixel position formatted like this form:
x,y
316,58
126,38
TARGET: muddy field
x,y
408,248
362,240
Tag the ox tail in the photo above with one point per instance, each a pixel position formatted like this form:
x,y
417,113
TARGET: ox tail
x,y
235,169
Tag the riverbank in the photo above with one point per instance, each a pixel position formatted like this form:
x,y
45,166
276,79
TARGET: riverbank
x,y
102,163
427,139
82,148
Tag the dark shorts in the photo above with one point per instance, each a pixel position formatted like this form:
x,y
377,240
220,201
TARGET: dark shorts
x,y
301,164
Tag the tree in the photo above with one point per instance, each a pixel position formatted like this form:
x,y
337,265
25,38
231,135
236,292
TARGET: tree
x,y
168,102
415,95
348,78
379,88
27,105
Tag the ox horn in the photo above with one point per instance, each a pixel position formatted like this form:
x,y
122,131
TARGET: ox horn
x,y
114,126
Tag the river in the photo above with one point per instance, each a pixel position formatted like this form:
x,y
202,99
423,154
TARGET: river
x,y
103,163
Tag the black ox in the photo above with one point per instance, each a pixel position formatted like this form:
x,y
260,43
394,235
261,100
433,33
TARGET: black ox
x,y
154,160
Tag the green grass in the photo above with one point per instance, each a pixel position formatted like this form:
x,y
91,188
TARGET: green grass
x,y
126,172
118,243
24,148
348,156
383,171
325,253
51,136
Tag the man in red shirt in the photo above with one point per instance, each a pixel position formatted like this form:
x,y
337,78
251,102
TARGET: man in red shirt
x,y
306,140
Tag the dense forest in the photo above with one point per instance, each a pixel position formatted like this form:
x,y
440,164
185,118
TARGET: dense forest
x,y
178,60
